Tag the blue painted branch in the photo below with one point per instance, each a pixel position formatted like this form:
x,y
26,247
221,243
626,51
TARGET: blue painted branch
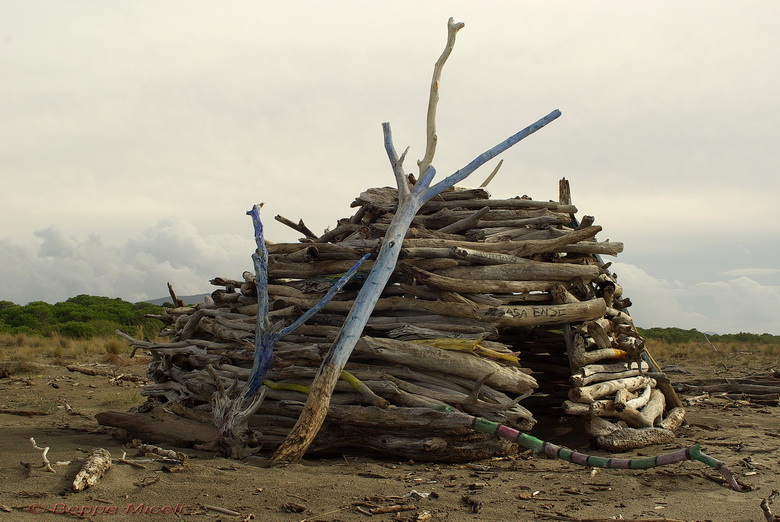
x,y
486,156
260,261
313,414
336,288
265,338
263,346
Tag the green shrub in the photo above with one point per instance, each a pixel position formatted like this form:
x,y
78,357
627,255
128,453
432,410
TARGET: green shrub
x,y
77,330
103,315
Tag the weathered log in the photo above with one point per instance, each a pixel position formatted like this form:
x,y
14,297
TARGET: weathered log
x,y
409,332
386,199
606,408
609,248
622,396
737,388
464,365
535,315
97,464
674,419
579,380
588,394
500,204
626,439
531,247
476,285
526,271
580,357
611,437
465,223
344,228
649,413
484,258
616,368
426,253
104,372
329,251
304,255
636,402
281,270
390,304
226,332
299,227
508,229
599,330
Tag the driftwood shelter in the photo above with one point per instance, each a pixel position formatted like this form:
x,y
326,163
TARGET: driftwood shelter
x,y
503,309
500,308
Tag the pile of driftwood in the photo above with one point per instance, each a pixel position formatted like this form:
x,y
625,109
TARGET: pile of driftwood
x,y
492,303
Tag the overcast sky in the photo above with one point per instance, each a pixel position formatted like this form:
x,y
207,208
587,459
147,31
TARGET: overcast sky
x,y
135,135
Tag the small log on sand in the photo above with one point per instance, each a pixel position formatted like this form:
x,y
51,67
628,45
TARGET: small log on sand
x,y
96,465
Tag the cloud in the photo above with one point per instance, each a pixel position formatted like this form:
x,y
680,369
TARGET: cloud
x,y
734,305
751,272
58,265
172,250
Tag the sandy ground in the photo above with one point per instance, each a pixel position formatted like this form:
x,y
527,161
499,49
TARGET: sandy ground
x,y
350,488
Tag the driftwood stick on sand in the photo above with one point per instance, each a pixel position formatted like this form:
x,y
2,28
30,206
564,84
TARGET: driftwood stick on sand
x,y
44,453
144,449
96,465
104,372
767,510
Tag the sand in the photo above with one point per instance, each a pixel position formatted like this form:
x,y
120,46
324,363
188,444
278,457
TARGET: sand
x,y
350,487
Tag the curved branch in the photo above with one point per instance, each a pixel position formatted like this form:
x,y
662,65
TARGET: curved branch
x,y
433,99
492,174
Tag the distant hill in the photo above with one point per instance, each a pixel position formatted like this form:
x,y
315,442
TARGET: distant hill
x,y
189,299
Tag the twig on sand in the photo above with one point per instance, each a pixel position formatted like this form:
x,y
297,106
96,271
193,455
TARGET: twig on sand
x,y
222,510
44,452
765,507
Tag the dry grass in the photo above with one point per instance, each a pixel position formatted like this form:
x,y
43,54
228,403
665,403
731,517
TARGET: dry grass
x,y
25,353
119,399
730,355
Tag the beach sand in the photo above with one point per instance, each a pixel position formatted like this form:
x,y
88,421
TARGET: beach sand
x,y
358,487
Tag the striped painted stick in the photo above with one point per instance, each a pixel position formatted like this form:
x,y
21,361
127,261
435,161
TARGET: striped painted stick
x,y
553,450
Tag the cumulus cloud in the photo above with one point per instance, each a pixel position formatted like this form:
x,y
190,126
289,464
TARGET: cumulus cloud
x,y
733,305
62,265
